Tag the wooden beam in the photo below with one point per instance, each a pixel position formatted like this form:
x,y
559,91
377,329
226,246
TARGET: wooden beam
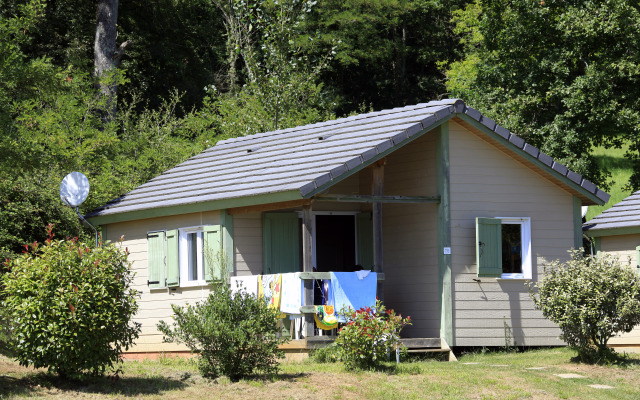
x,y
355,198
326,275
269,206
377,190
307,265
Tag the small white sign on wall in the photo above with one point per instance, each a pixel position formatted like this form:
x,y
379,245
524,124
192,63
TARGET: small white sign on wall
x,y
447,250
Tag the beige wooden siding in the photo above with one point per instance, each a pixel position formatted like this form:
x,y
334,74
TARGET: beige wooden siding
x,y
624,247
247,242
486,182
410,238
155,305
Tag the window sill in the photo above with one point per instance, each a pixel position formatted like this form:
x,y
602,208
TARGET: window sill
x,y
512,279
193,285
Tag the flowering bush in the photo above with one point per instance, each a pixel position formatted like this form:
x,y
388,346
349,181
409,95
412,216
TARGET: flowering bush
x,y
591,299
69,306
369,335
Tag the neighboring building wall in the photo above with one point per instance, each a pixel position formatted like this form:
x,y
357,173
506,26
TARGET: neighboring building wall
x,y
155,305
410,238
623,246
486,182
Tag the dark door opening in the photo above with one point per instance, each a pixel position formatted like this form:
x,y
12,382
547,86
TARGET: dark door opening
x,y
335,243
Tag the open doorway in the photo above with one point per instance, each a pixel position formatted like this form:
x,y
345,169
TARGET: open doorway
x,y
335,243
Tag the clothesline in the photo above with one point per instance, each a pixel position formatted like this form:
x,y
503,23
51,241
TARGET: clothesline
x,y
285,291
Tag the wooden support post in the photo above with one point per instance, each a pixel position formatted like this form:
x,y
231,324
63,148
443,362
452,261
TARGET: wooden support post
x,y
307,264
378,190
444,234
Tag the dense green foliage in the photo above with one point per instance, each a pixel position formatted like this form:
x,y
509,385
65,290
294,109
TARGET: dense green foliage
x,y
69,306
369,336
561,74
26,206
591,299
386,52
564,75
235,334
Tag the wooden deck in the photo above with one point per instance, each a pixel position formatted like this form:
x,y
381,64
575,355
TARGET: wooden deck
x,y
299,349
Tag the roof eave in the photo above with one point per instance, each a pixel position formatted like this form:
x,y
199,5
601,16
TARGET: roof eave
x,y
195,207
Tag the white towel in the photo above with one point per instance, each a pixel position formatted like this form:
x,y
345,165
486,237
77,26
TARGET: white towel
x,y
291,298
248,283
362,273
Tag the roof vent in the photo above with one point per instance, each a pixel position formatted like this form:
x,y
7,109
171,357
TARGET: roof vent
x,y
254,149
326,136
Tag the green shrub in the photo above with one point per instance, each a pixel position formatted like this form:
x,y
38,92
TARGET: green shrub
x,y
328,354
235,334
591,299
369,336
70,306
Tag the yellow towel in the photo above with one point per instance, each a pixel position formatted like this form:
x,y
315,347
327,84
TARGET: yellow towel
x,y
271,286
325,317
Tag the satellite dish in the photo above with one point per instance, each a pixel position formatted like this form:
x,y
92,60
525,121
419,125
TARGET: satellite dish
x,y
584,210
74,189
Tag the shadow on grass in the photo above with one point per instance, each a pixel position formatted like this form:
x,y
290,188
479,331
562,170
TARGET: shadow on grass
x,y
613,162
607,359
127,386
275,377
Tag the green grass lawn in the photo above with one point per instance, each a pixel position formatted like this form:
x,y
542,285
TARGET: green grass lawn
x,y
474,376
620,168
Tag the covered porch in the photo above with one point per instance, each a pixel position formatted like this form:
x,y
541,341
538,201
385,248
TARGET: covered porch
x,y
392,217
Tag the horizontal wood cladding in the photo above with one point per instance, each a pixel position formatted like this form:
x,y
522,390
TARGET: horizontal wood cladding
x,y
247,241
488,182
155,305
496,339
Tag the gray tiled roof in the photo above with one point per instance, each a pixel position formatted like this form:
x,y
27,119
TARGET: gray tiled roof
x,y
306,158
624,214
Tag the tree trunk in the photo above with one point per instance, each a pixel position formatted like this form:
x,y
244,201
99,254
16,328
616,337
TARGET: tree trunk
x,y
106,55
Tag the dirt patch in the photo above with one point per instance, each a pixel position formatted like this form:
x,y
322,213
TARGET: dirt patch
x,y
8,366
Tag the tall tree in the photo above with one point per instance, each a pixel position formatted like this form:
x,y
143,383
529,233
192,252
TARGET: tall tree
x,y
280,80
106,54
565,75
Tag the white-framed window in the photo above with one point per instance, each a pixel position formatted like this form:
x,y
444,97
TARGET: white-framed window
x,y
503,248
185,257
516,247
191,257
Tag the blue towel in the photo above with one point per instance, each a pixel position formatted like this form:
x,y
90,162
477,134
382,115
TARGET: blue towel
x,y
349,291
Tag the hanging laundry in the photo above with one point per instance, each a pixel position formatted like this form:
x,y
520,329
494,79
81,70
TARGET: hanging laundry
x,y
248,283
350,291
325,317
270,287
327,295
291,298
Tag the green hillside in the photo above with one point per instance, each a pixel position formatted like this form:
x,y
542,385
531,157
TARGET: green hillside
x,y
620,167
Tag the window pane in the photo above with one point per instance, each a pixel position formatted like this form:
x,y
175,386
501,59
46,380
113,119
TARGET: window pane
x,y
511,249
192,252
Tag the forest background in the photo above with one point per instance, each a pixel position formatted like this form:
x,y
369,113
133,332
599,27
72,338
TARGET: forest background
x,y
122,91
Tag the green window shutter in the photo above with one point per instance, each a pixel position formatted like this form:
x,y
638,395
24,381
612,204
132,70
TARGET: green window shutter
x,y
489,247
173,260
213,255
365,240
227,241
281,243
638,258
155,260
